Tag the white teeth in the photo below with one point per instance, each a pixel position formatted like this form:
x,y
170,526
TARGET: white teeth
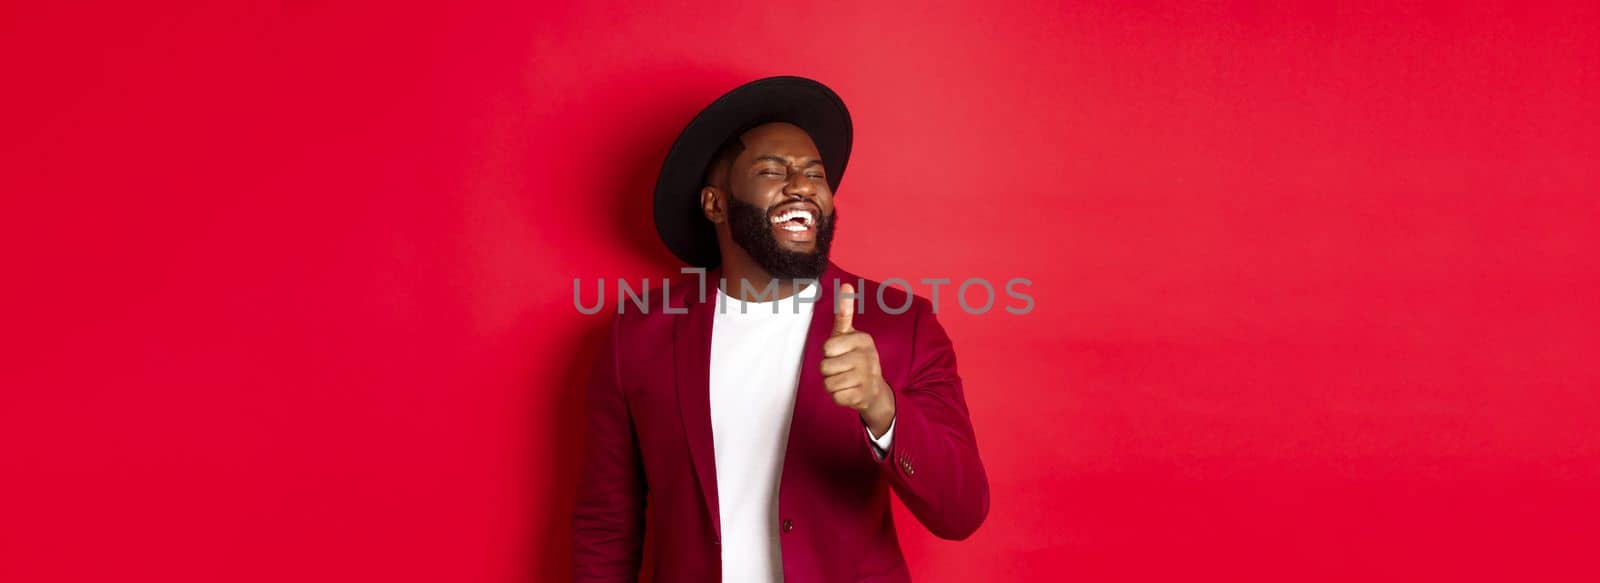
x,y
803,214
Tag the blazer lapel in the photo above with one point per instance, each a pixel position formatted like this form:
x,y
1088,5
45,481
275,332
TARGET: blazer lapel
x,y
809,388
692,359
814,411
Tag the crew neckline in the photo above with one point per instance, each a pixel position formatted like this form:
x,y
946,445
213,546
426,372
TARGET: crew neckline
x,y
796,304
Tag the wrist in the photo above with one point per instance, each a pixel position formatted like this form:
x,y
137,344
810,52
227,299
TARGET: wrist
x,y
879,415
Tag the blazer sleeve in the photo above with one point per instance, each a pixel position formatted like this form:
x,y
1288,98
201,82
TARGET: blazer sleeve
x,y
608,520
933,463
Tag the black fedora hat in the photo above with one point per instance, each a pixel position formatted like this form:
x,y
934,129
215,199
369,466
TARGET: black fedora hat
x,y
803,102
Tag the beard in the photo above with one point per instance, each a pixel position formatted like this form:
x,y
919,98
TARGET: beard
x,y
752,231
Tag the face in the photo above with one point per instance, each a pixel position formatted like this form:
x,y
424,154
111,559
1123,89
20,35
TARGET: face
x,y
774,202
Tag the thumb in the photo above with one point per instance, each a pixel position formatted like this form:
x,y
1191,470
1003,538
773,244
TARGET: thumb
x,y
846,310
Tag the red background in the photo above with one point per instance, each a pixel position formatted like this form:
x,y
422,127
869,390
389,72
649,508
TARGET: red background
x,y
289,285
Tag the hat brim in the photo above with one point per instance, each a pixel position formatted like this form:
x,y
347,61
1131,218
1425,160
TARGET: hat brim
x,y
812,106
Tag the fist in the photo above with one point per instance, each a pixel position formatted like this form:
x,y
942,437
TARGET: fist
x,y
850,368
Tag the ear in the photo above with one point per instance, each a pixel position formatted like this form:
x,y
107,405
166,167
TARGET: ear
x,y
712,205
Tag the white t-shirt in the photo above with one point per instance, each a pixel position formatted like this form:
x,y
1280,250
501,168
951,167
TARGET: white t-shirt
x,y
755,368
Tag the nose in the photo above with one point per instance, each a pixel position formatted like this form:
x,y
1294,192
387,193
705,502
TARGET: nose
x,y
800,186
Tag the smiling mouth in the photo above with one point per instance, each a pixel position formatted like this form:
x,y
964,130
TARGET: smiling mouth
x,y
795,220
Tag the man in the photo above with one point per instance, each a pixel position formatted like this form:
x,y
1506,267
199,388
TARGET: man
x,y
768,415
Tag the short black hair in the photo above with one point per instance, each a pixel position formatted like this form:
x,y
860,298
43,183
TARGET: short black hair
x,y
730,149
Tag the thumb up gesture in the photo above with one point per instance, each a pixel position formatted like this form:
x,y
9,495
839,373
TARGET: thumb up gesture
x,y
850,368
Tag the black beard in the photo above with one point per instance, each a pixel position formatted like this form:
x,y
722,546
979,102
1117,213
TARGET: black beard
x,y
752,231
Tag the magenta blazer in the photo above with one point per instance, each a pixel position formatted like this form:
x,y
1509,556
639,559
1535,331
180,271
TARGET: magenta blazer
x,y
649,440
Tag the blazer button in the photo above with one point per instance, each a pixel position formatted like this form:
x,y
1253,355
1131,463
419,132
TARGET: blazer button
x,y
906,465
788,525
